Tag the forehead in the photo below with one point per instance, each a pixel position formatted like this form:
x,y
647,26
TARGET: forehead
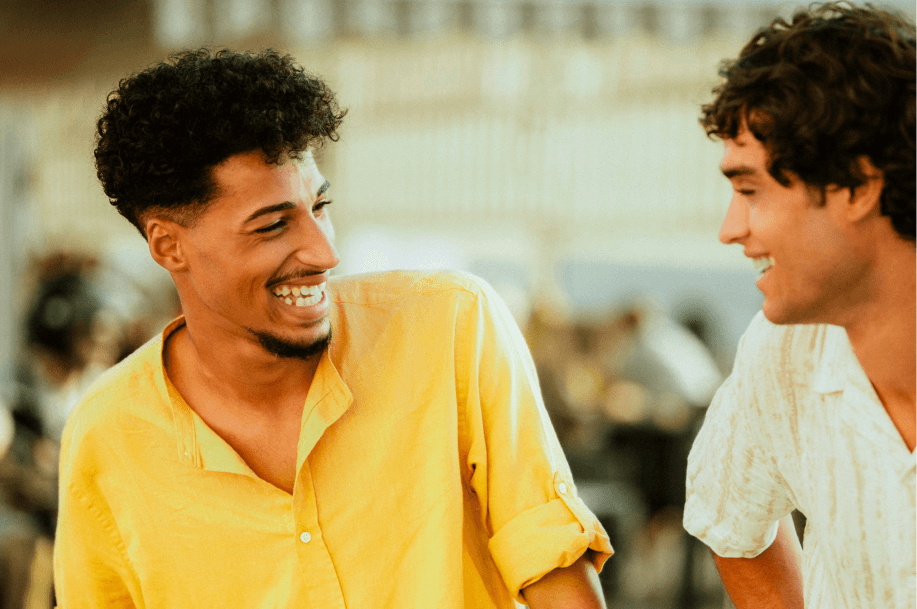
x,y
743,151
246,181
249,172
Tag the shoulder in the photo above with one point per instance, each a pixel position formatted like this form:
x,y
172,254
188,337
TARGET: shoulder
x,y
380,288
120,394
776,371
787,350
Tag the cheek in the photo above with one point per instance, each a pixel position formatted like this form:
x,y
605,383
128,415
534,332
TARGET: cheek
x,y
225,281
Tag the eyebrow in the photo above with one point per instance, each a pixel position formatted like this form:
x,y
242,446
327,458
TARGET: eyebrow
x,y
285,205
734,172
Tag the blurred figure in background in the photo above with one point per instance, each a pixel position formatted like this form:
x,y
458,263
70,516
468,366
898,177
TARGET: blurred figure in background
x,y
83,316
817,119
625,390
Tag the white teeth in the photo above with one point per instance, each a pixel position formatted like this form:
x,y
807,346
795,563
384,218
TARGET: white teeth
x,y
304,296
308,301
763,263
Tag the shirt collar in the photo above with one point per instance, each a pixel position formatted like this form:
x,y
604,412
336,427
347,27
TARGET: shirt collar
x,y
833,365
837,370
199,446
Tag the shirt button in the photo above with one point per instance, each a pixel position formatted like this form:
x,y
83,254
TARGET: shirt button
x,y
562,488
305,537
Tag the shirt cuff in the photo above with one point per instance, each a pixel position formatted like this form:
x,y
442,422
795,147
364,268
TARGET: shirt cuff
x,y
547,537
724,538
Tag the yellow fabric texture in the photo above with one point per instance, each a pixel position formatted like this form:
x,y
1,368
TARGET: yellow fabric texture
x,y
428,473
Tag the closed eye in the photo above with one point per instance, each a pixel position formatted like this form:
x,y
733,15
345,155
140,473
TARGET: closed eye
x,y
273,226
319,206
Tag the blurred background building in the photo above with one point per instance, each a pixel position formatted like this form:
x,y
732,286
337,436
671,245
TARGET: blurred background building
x,y
549,146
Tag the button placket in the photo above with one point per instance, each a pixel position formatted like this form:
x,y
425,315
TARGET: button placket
x,y
315,561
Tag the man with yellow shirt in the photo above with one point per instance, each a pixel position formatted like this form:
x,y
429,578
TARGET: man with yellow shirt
x,y
295,440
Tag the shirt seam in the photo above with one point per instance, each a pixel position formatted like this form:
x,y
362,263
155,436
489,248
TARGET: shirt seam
x,y
108,525
462,383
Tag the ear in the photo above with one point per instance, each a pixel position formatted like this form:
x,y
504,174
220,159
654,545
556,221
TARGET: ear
x,y
164,240
864,199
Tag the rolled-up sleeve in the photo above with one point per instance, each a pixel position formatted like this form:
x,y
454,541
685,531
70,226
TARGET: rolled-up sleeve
x,y
735,493
514,462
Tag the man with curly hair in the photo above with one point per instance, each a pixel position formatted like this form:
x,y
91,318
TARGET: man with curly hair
x,y
296,440
817,120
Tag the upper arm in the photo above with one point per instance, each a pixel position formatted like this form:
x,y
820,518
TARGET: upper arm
x,y
533,516
735,491
91,566
773,579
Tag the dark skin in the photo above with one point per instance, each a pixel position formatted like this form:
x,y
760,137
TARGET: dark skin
x,y
266,229
226,267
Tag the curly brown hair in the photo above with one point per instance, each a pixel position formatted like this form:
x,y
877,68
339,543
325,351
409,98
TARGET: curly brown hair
x,y
833,85
164,129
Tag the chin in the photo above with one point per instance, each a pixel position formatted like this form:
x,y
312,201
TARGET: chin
x,y
289,348
783,316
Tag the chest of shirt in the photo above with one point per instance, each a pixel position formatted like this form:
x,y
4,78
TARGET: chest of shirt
x,y
378,484
853,478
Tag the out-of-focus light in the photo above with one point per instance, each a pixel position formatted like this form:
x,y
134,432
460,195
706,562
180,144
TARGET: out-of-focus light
x,y
679,23
431,16
507,75
240,18
372,16
178,23
497,18
307,19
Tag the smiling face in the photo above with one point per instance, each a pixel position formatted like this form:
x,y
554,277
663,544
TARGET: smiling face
x,y
255,263
810,270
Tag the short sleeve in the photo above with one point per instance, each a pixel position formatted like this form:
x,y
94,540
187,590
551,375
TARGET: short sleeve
x,y
514,462
735,493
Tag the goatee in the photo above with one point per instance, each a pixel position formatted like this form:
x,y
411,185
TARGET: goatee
x,y
292,350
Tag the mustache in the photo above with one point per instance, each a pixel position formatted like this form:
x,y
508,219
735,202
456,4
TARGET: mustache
x,y
292,276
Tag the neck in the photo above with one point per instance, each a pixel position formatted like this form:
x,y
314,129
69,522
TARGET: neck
x,y
882,332
236,368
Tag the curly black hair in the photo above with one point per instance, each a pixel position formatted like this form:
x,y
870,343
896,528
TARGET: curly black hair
x,y
833,85
164,129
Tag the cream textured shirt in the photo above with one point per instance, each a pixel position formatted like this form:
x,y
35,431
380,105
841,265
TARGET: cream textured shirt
x,y
798,425
428,473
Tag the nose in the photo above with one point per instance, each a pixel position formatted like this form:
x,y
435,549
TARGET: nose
x,y
317,245
735,224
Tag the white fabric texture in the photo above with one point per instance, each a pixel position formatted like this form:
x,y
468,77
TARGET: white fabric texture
x,y
799,425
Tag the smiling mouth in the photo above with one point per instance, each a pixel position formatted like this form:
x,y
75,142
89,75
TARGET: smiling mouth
x,y
762,264
301,296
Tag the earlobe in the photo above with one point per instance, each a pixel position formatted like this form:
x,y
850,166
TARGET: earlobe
x,y
865,198
163,238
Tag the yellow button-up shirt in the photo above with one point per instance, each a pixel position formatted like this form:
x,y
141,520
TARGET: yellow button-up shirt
x,y
428,473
